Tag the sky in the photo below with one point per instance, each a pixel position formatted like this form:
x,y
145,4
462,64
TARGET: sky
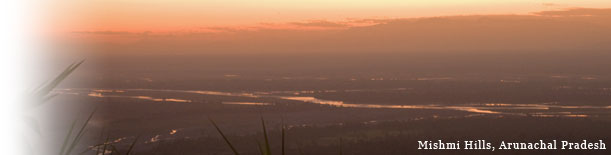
x,y
433,36
187,15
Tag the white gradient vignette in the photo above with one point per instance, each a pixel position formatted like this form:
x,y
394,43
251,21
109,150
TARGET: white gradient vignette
x,y
17,49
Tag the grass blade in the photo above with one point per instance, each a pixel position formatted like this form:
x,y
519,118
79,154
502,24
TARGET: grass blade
x,y
105,144
113,149
267,148
283,136
42,92
65,144
80,133
97,146
224,137
263,152
44,89
131,147
48,97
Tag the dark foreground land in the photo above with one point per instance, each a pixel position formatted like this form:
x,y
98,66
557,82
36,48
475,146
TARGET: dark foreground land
x,y
172,116
184,128
400,137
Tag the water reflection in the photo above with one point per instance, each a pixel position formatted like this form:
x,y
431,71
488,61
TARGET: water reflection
x,y
153,139
108,90
100,95
203,92
247,103
384,106
533,110
119,139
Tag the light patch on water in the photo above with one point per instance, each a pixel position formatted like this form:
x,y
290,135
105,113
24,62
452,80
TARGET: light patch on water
x,y
203,92
176,100
511,106
96,94
95,147
543,106
160,99
382,106
370,122
299,92
377,79
485,108
107,151
146,98
494,104
102,90
211,93
108,90
173,131
549,115
247,103
480,108
580,107
263,93
154,139
474,110
119,139
313,100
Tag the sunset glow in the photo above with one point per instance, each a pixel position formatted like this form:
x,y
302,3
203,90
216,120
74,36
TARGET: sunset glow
x,y
189,15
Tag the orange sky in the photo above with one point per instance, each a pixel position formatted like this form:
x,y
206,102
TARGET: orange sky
x,y
188,15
